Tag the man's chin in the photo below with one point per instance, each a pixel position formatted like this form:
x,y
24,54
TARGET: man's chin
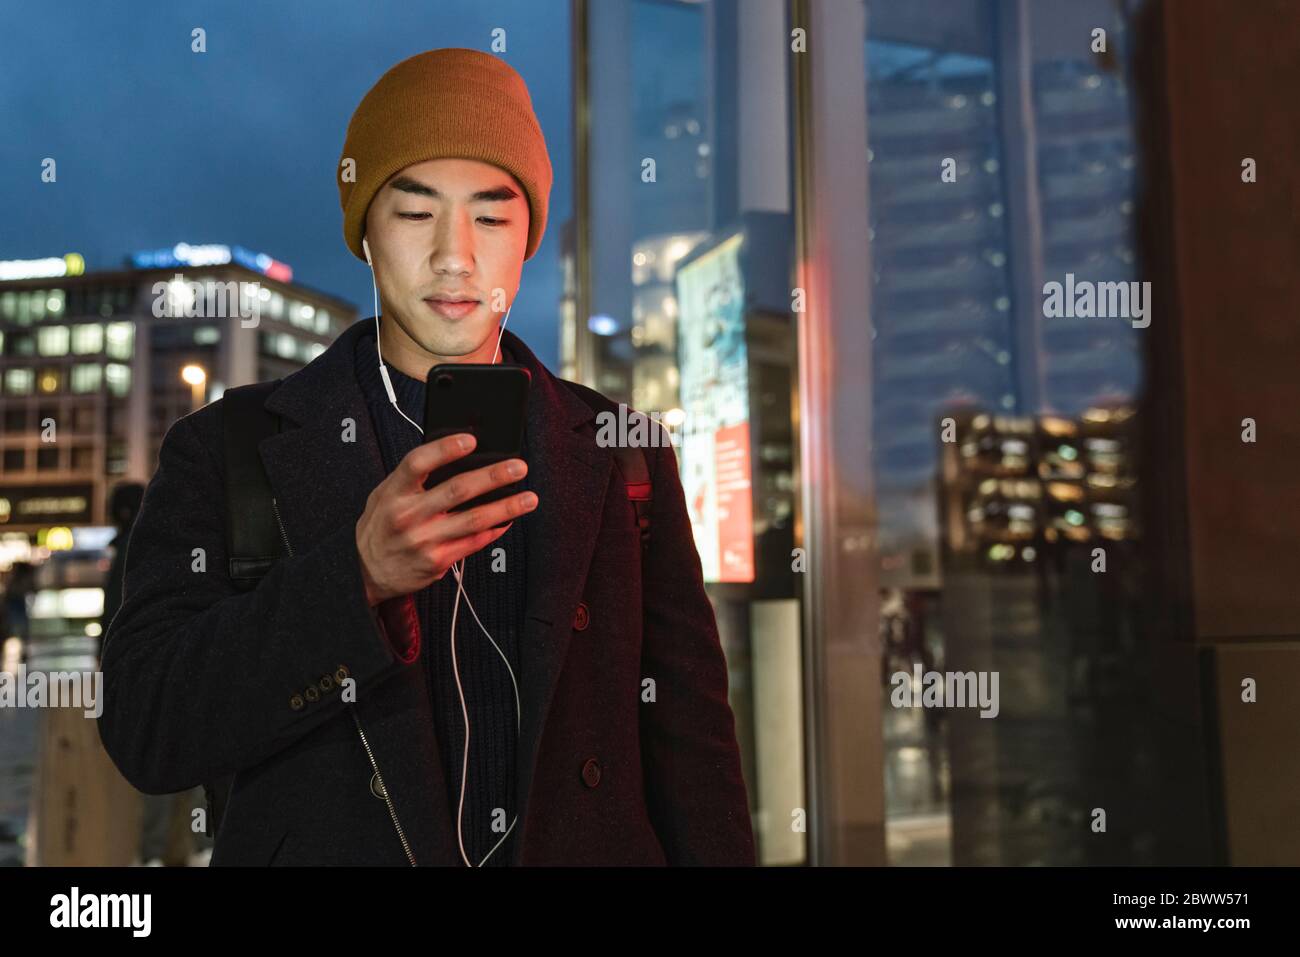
x,y
451,339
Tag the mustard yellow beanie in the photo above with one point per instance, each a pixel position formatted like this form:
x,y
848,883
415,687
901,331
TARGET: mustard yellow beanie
x,y
453,102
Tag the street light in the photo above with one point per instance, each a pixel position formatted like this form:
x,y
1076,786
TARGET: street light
x,y
197,377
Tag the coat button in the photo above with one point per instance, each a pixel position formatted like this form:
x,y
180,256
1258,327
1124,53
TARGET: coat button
x,y
296,702
591,773
326,683
582,617
341,673
375,787
311,694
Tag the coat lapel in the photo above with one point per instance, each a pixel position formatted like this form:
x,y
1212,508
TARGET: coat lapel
x,y
323,466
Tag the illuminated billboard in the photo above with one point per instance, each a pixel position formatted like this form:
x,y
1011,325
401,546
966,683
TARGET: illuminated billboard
x,y
52,267
715,449
184,254
45,504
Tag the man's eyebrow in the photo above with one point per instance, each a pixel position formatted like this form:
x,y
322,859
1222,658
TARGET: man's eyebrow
x,y
495,194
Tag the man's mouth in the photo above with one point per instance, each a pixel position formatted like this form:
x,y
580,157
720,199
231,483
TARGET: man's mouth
x,y
452,308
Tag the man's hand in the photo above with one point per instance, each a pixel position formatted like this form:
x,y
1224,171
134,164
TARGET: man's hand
x,y
408,538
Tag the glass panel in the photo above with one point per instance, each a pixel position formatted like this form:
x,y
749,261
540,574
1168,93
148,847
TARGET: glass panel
x,y
119,340
86,378
37,299
689,322
52,340
87,339
118,378
20,381
1003,436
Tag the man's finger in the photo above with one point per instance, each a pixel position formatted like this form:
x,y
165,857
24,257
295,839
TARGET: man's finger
x,y
455,549
423,459
468,486
469,521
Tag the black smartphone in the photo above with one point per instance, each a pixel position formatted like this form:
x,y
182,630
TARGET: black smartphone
x,y
489,401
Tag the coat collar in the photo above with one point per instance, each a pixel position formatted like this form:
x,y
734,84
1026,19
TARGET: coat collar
x,y
323,466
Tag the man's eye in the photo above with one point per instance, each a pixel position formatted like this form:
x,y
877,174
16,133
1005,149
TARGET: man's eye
x,y
487,220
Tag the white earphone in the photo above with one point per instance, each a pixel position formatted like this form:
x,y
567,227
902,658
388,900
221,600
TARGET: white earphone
x,y
460,582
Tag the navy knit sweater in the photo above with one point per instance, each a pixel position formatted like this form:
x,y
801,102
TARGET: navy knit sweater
x,y
498,598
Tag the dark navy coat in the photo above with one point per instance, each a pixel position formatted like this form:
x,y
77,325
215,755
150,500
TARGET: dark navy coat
x,y
203,680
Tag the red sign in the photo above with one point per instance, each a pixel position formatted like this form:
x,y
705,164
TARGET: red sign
x,y
735,503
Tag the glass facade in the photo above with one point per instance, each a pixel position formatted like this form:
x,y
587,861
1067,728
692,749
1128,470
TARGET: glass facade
x,y
683,267
977,201
998,156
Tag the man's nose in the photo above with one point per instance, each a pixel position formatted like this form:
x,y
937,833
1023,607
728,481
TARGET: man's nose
x,y
453,249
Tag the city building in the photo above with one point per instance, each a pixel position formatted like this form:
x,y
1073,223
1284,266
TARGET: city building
x,y
96,366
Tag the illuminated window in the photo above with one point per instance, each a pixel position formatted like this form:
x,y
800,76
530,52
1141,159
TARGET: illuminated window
x,y
286,346
50,380
20,381
119,340
36,300
116,463
206,335
9,306
322,322
302,315
55,302
87,339
118,378
52,340
87,377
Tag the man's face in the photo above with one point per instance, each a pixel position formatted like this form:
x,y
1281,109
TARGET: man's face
x,y
443,230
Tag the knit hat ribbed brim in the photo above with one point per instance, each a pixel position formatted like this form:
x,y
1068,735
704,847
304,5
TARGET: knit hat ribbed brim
x,y
453,102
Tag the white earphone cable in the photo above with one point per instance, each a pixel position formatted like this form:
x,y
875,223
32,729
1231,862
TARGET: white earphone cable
x,y
460,586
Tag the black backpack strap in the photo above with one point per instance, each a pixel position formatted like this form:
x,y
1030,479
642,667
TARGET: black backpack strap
x,y
253,541
631,460
636,479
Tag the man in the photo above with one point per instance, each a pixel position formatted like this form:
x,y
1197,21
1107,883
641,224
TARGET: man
x,y
330,691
